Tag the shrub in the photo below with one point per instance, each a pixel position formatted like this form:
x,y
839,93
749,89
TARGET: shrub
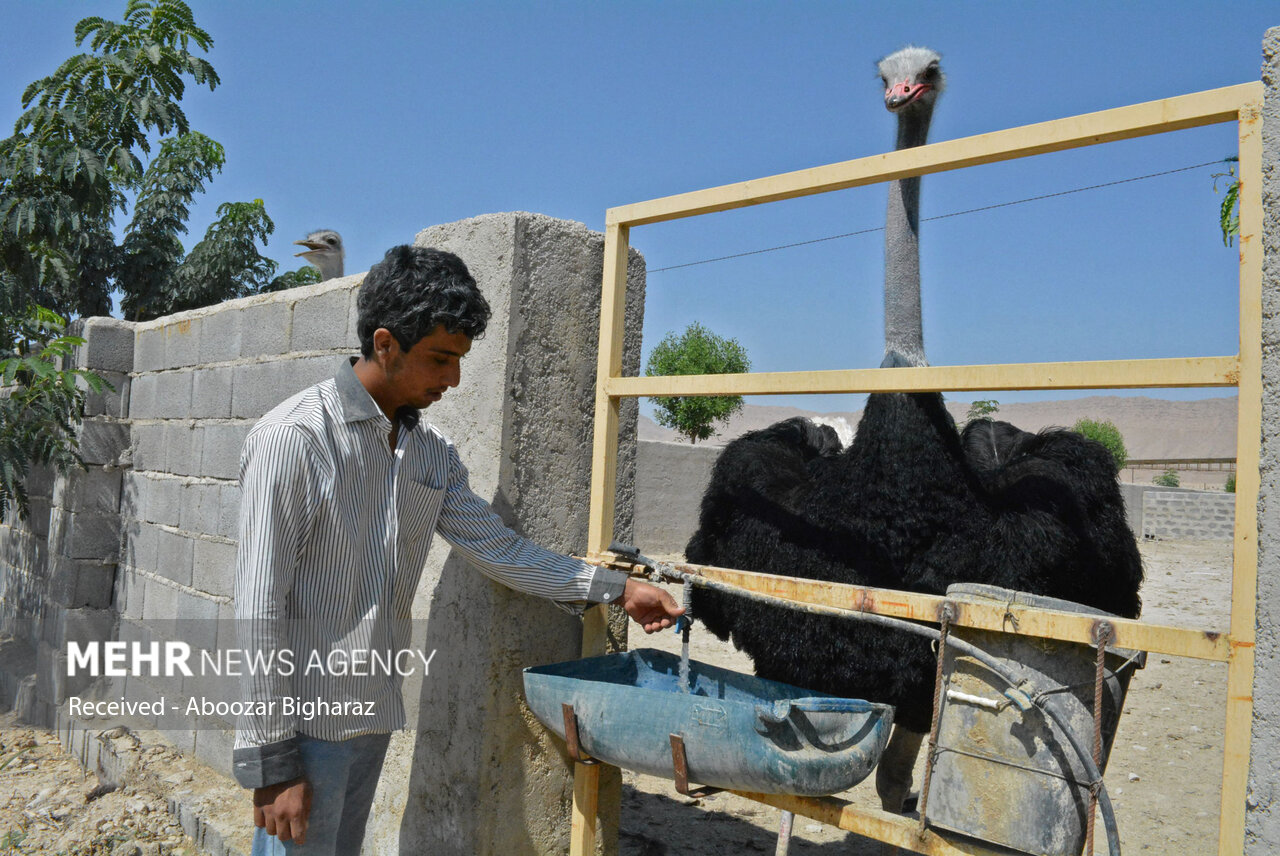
x,y
1168,478
1230,486
696,351
1108,435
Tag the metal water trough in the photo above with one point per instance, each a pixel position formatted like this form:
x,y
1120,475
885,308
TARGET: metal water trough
x,y
1004,774
731,730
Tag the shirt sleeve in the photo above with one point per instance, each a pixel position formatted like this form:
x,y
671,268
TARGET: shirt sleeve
x,y
277,507
472,526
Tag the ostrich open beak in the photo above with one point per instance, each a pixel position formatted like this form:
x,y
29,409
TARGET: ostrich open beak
x,y
904,92
311,246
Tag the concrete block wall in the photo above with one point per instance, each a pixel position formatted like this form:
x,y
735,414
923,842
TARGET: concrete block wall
x,y
1188,514
199,381
670,481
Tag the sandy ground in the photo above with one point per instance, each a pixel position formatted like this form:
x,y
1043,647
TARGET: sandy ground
x,y
1163,777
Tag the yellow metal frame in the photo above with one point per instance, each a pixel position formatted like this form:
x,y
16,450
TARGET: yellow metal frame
x,y
1242,104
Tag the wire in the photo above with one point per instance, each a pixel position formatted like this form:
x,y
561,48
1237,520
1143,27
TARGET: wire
x,y
944,216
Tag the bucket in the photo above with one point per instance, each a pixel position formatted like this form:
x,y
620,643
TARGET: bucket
x,y
738,731
1006,775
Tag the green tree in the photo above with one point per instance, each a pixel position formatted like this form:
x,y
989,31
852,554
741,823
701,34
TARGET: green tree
x,y
696,351
1108,435
42,403
77,154
982,409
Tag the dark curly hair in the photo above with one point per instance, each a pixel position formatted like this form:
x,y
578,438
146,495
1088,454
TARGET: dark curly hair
x,y
412,291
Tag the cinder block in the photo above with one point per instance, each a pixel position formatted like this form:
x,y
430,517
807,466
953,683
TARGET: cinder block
x,y
320,321
211,393
86,536
129,594
229,516
214,567
353,328
112,400
84,625
95,490
148,349
162,500
142,397
259,387
182,342
201,510
264,329
220,336
103,442
184,442
109,344
220,456
173,394
160,601
213,747
174,556
148,448
78,584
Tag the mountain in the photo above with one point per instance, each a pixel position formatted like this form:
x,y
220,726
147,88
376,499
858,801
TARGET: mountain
x,y
1152,427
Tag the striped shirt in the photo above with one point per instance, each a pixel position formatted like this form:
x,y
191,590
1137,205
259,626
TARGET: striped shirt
x,y
334,533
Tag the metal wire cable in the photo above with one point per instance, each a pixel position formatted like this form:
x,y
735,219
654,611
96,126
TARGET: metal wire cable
x,y
944,216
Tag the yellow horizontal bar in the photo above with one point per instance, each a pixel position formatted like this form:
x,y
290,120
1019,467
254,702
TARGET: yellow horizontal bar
x,y
1121,123
895,829
1101,374
1024,620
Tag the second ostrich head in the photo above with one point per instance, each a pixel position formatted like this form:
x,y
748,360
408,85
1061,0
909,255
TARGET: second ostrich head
x,y
324,250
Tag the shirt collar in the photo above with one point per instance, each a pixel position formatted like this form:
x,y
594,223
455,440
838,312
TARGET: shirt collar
x,y
358,405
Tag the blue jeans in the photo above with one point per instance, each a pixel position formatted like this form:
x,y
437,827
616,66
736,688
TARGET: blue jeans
x,y
343,777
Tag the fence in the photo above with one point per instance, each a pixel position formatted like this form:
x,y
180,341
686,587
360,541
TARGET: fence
x,y
1241,104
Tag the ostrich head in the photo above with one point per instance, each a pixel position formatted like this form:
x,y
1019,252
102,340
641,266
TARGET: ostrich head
x,y
324,250
912,78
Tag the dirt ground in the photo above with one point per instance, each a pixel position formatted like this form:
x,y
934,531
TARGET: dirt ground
x,y
1163,776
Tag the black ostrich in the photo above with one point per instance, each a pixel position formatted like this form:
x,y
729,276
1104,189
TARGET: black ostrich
x,y
911,504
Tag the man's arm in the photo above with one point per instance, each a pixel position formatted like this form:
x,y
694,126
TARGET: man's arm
x,y
470,524
276,510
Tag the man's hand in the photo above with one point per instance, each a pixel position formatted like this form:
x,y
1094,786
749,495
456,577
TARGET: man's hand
x,y
650,606
283,809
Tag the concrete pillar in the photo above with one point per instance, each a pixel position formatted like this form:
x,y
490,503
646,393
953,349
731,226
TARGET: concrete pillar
x,y
1262,822
477,774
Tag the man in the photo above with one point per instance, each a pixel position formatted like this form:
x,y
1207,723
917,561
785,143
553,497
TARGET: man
x,y
342,490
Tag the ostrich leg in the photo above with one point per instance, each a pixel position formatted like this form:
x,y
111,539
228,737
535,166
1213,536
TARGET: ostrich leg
x,y
893,773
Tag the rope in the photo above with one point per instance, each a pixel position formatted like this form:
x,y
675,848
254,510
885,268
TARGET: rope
x,y
1104,635
944,620
942,216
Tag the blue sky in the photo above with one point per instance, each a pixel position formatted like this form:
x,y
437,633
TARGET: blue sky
x,y
379,119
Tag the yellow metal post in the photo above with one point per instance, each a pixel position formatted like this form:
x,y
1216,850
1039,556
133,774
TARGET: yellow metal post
x,y
604,456
1244,575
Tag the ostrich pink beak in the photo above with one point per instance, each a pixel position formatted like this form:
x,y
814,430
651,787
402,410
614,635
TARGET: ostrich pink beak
x,y
904,92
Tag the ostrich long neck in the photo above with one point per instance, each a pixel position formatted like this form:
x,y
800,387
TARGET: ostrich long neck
x,y
903,328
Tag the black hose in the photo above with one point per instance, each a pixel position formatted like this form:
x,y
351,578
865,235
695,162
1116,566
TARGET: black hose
x,y
967,648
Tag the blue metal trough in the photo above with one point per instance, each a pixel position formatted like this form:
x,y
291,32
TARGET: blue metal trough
x,y
733,730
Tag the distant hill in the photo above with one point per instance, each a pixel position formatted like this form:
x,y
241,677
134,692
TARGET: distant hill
x,y
1152,427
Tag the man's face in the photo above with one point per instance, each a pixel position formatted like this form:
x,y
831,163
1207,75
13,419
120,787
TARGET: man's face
x,y
420,376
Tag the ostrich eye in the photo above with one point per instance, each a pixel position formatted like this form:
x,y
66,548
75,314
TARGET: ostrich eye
x,y
931,72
